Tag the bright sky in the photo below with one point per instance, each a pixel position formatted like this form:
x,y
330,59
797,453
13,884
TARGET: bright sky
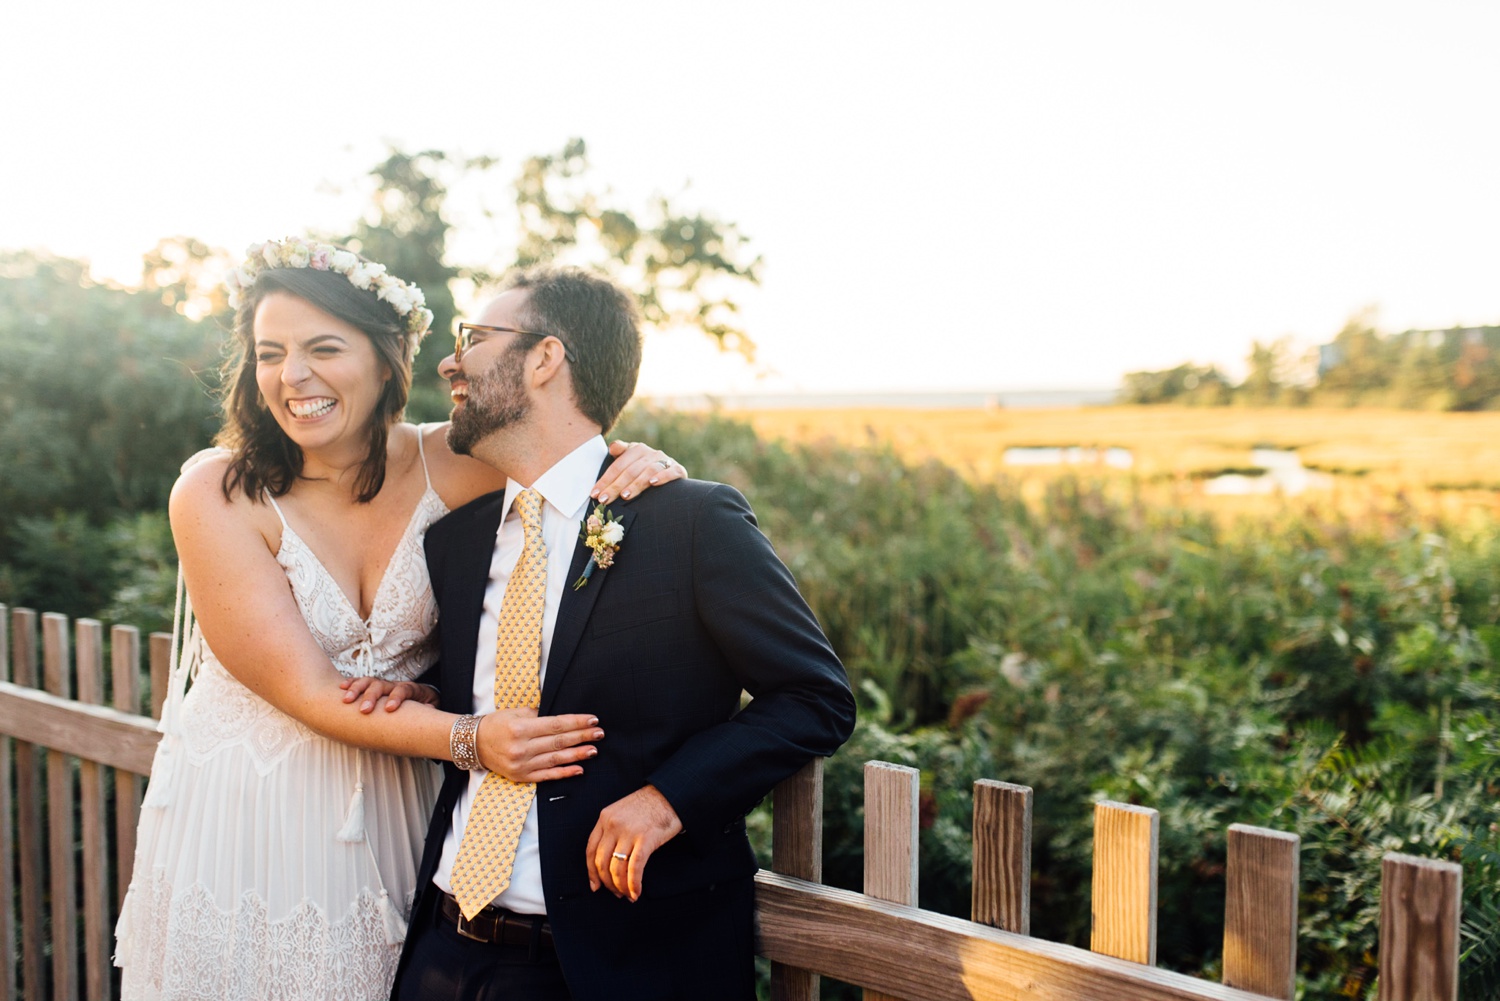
x,y
948,195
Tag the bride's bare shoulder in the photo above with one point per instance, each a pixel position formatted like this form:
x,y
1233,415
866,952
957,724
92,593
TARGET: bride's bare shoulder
x,y
200,489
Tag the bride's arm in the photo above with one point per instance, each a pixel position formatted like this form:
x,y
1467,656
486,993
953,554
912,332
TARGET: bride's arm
x,y
459,479
250,619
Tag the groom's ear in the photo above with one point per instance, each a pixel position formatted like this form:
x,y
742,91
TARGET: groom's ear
x,y
546,363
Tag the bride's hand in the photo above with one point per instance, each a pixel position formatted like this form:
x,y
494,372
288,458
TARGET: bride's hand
x,y
394,693
637,468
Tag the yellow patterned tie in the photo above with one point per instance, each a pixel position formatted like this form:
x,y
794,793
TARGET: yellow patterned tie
x,y
488,850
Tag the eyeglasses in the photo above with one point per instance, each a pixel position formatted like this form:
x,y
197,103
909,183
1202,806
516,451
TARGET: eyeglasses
x,y
463,340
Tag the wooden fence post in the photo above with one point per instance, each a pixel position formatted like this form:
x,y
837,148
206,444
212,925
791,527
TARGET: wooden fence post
x,y
55,658
89,645
125,675
1419,919
1260,911
7,838
1002,856
29,829
797,850
161,670
1124,904
891,815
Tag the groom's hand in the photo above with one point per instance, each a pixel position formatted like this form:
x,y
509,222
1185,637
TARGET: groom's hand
x,y
525,747
628,832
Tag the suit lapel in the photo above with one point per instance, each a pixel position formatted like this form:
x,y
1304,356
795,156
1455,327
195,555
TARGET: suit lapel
x,y
573,612
469,576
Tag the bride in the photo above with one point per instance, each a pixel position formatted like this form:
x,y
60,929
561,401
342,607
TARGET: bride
x,y
278,842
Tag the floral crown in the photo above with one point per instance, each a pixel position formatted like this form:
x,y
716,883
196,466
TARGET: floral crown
x,y
294,252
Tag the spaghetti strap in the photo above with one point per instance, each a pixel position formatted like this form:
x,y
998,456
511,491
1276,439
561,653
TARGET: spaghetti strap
x,y
277,508
422,453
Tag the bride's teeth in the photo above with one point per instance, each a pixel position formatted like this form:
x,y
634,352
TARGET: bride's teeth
x,y
310,408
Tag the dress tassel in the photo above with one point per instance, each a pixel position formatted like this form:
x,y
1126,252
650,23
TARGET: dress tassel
x,y
159,786
395,927
354,822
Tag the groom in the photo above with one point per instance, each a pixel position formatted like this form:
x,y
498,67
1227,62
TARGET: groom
x,y
607,857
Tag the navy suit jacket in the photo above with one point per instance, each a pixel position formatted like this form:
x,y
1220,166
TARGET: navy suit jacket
x,y
695,609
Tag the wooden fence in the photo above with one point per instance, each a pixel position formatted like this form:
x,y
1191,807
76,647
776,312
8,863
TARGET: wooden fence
x,y
70,791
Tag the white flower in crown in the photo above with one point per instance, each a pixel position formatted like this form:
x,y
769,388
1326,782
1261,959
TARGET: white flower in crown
x,y
363,275
270,252
343,261
296,255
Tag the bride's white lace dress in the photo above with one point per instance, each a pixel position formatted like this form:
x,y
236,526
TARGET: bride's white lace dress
x,y
272,863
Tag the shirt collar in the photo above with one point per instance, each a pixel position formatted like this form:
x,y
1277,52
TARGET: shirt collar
x,y
567,484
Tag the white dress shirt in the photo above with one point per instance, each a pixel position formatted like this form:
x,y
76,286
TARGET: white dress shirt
x,y
565,494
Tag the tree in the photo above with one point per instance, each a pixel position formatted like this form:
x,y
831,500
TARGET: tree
x,y
188,275
685,267
103,393
1201,385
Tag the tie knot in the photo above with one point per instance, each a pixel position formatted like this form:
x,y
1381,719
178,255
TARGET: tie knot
x,y
529,505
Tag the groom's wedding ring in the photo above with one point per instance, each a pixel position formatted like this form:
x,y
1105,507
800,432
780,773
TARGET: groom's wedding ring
x,y
621,856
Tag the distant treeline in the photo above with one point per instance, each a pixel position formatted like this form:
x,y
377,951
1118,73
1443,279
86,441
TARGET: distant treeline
x,y
1453,369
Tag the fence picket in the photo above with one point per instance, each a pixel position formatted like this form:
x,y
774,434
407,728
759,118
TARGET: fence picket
x,y
1124,903
1002,856
1260,911
891,815
1419,920
29,829
89,651
7,837
797,850
60,794
161,670
125,674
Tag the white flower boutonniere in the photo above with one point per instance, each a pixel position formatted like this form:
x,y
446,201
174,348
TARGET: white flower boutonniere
x,y
602,533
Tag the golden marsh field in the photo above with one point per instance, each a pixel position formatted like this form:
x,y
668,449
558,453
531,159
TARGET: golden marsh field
x,y
1445,460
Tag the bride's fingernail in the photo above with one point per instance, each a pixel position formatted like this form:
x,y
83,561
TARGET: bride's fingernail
x,y
625,495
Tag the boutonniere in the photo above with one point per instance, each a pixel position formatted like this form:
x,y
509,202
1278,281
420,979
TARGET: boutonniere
x,y
602,533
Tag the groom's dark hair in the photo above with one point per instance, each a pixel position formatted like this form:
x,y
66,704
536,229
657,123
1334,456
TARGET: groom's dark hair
x,y
598,322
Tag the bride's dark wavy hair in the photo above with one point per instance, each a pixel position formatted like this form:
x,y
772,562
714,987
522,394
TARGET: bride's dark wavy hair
x,y
263,459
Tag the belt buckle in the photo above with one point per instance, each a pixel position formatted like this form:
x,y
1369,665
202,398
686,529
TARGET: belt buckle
x,y
464,926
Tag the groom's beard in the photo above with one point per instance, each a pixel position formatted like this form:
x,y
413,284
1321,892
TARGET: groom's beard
x,y
496,400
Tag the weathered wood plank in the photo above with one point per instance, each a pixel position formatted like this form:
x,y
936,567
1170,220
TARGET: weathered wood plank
x,y
88,637
1419,920
161,670
797,850
1124,902
102,734
1002,856
60,834
920,954
125,672
8,954
29,829
891,813
1260,911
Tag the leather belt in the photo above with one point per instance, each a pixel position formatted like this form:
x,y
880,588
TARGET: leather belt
x,y
497,926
